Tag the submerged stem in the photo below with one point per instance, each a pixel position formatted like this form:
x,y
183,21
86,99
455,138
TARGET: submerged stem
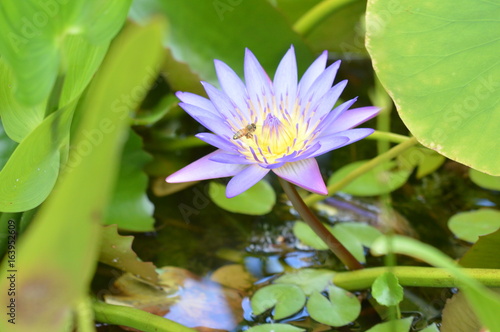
x,y
380,159
335,246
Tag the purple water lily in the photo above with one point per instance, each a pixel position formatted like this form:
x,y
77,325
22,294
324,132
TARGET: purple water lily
x,y
266,125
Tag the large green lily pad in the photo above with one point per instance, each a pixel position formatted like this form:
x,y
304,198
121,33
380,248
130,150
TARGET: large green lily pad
x,y
439,62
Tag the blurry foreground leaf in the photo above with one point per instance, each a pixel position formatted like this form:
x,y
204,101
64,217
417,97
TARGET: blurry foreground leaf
x,y
60,249
458,315
469,226
130,207
257,200
116,251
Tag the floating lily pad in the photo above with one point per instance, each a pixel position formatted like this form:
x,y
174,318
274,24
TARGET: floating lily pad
x,y
469,226
286,299
387,290
310,280
257,200
484,180
341,308
400,325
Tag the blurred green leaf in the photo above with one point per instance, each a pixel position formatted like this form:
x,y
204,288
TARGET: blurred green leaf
x,y
284,298
116,251
257,200
445,88
60,248
31,172
339,309
130,207
387,290
18,120
7,146
310,280
399,325
484,180
33,32
380,180
366,234
470,225
307,236
484,253
204,30
426,160
275,328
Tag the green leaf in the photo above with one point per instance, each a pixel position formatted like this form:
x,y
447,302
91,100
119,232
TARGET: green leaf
x,y
399,325
25,186
354,236
60,250
309,280
426,160
275,328
7,146
387,290
257,200
445,88
485,303
130,207
431,328
381,180
18,120
484,253
286,300
116,251
33,32
340,309
469,226
484,180
223,30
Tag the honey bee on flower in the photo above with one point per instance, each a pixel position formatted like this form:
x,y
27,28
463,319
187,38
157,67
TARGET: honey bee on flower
x,y
247,131
296,121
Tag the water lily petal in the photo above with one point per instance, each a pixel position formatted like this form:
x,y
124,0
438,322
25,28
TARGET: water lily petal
x,y
326,103
330,143
204,168
227,158
231,84
217,141
303,173
245,179
258,83
285,81
331,117
314,70
199,101
350,119
224,105
213,122
322,83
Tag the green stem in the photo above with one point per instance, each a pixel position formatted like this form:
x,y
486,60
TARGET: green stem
x,y
138,319
335,246
380,159
414,276
318,14
387,136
